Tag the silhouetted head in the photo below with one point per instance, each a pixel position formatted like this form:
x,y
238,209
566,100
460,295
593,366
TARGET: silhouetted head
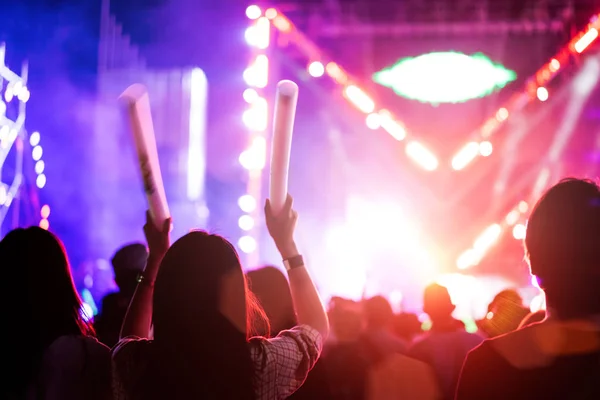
x,y
563,247
378,313
345,318
128,262
38,302
272,290
406,326
437,302
200,321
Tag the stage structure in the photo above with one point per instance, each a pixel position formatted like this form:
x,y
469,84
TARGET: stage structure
x,y
15,201
536,89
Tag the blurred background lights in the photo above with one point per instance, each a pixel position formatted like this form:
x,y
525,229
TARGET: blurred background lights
x,y
316,69
271,13
34,138
44,224
253,12
41,181
37,152
246,222
247,203
39,167
519,231
373,121
247,244
485,148
250,95
542,93
45,211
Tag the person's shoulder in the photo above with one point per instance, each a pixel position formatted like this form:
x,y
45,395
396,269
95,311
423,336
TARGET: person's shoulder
x,y
130,347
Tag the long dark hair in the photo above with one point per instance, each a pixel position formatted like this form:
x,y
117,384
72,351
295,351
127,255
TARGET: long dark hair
x,y
38,304
197,352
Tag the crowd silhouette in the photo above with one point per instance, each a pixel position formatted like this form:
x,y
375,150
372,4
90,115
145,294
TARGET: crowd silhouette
x,y
188,323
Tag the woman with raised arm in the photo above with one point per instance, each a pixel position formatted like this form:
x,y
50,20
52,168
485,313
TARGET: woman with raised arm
x,y
49,349
196,297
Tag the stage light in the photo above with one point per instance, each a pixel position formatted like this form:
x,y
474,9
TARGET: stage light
x,y
256,118
392,127
554,65
246,222
257,74
45,211
422,156
271,13
519,231
4,131
2,108
336,73
445,77
467,259
512,217
253,12
247,244
254,158
282,23
8,94
250,95
24,95
247,203
34,138
40,181
486,149
359,99
467,154
373,121
258,35
39,167
534,282
44,224
316,69
542,93
488,238
37,152
523,207
502,114
3,193
586,40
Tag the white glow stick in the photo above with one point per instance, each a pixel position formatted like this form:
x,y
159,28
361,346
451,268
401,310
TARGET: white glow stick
x,y
138,107
281,144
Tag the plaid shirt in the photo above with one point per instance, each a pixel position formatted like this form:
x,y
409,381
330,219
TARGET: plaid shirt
x,y
281,364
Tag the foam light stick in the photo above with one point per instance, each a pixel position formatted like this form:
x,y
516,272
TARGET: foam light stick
x,y
281,144
140,116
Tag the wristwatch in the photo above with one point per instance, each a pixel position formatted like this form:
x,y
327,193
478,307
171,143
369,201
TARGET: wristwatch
x,y
293,262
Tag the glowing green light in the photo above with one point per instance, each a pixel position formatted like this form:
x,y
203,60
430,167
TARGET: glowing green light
x,y
447,77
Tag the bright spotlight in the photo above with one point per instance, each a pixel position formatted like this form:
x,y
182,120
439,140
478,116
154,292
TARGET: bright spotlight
x,y
373,121
37,152
519,231
316,69
247,203
246,222
422,156
485,149
34,138
39,167
247,244
250,95
542,93
45,211
41,181
253,12
44,224
502,114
